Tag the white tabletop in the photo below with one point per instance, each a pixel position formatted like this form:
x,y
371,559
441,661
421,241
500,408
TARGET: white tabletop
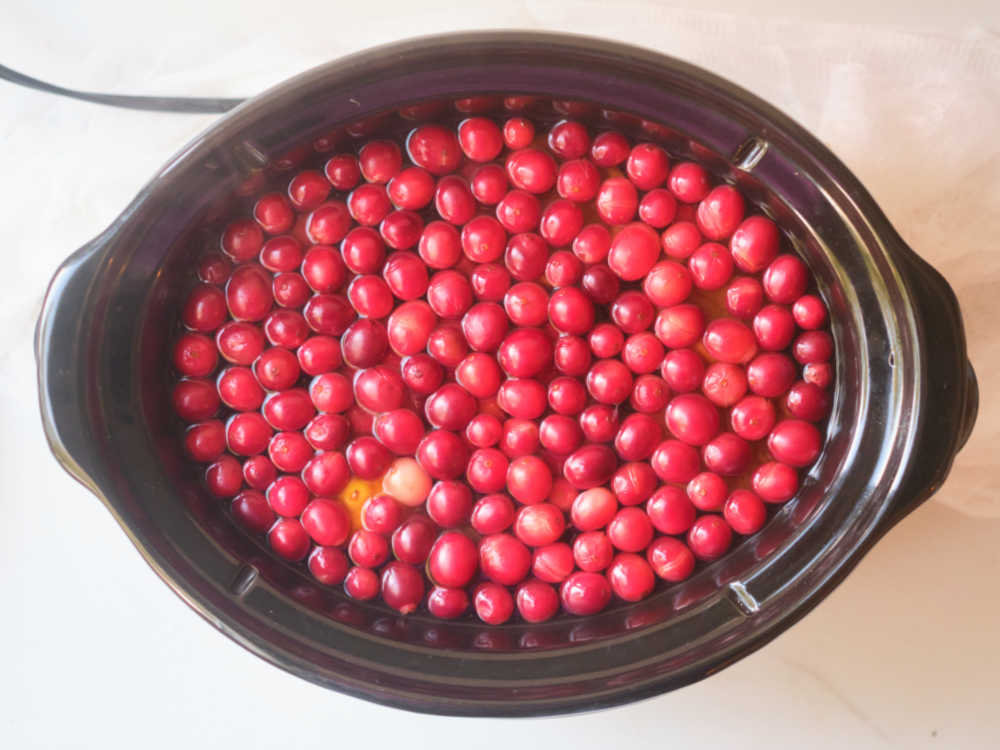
x,y
101,653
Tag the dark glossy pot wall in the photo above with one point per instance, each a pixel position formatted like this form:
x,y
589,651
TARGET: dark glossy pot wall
x,y
905,393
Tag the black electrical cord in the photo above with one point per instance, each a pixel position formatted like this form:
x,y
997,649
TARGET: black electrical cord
x,y
185,104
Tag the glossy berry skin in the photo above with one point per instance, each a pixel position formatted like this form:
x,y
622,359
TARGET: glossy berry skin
x,y
692,418
809,312
328,565
727,455
774,327
585,593
710,537
770,374
571,311
493,603
752,417
453,560
729,340
529,480
634,251
402,587
492,514
744,297
670,510
600,423
807,401
630,530
552,563
755,243
707,491
795,442
537,601
361,584
720,212
670,559
711,266
504,559
744,512
775,482
631,577
289,539
617,201
675,461
539,525
609,381
532,170
447,604
786,279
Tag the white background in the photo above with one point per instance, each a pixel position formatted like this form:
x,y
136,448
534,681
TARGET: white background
x,y
98,652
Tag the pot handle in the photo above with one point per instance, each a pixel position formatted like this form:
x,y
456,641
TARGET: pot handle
x,y
61,360
950,398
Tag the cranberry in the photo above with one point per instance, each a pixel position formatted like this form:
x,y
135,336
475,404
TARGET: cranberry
x,y
689,182
381,514
795,442
539,525
631,577
674,461
518,132
329,223
819,374
634,483
552,563
770,374
286,328
609,381
454,201
709,538
251,509
692,418
440,245
670,559
368,458
214,268
807,401
484,430
593,509
683,370
327,432
484,326
532,170
364,343
274,214
617,200
599,423
447,604
342,171
525,352
402,230
609,149
480,139
670,510
526,256
720,212
650,393
487,470
327,473
259,472
634,251
368,204
601,284
563,269
813,347
288,539
277,369
205,308
247,434
657,208
578,180
647,166
643,353
744,512
560,434
248,293
402,587
537,601
443,455
724,384
399,430
451,407
409,327
630,530
727,454
368,549
492,514
413,540
282,253
522,397
288,410
526,304
328,565
711,266
361,584
242,240
775,482
490,282
592,243
753,417
755,244
435,148
606,340
328,314
290,290
363,250
585,593
453,560
379,161
590,466
571,355
529,480
744,297
289,451
680,240
786,279
224,476
774,327
370,296
679,326
195,400
519,211
729,340
504,559
489,184
567,395
571,311
493,603
638,437
809,312
327,522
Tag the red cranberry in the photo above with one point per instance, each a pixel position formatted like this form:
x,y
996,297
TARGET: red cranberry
x,y
406,275
552,563
601,284
317,355
361,584
727,454
399,430
711,266
327,522
368,458
447,604
329,314
569,139
342,171
681,239
720,212
484,326
674,461
634,251
667,283
453,560
657,208
379,161
795,442
247,434
744,512
205,309
692,418
518,132
286,328
563,494
323,269
670,510
248,293
609,149
526,304
402,230
567,395
643,353
409,327
274,213
484,431
650,393
240,343
326,474
819,374
647,166
308,189
775,482
523,398
289,451
638,437
195,400
537,601
422,374
571,311
809,312
679,326
689,182
504,559
526,256
709,538
368,549
529,480
531,169
631,577
479,374
440,245
327,432
770,374
251,509
599,423
807,401
707,491
288,539
593,509
561,221
729,340
411,189
329,223
489,184
480,138
492,514
443,455
774,327
578,180
454,201
449,294
563,269
606,340
609,381
242,240
670,559
413,540
368,204
493,603
755,244
813,347
487,470
525,352
451,407
786,279
634,483
630,530
683,370
724,384
364,343
381,514
328,565
585,593
519,211
753,417
560,434
224,476
592,243
590,466
617,200
744,297
539,525
632,311
363,250
571,355
435,148
288,410
259,472
370,296
490,282
402,587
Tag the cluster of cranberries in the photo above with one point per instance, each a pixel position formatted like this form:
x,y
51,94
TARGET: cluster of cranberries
x,y
503,370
